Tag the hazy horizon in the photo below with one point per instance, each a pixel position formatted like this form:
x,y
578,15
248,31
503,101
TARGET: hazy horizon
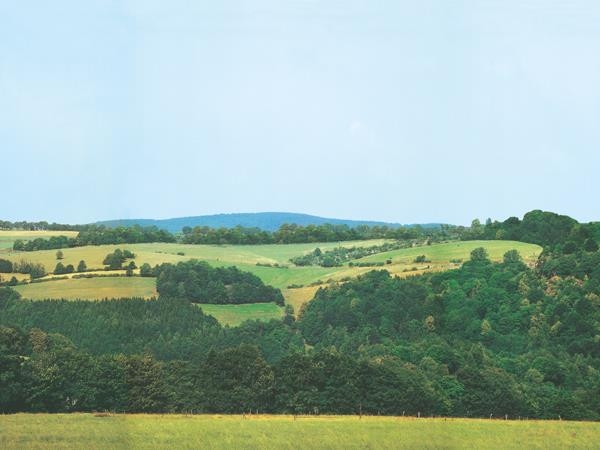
x,y
386,111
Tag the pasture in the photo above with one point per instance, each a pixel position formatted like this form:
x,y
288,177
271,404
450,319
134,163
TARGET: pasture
x,y
136,431
244,256
448,251
90,288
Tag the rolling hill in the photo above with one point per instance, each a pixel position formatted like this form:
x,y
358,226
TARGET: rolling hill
x,y
268,221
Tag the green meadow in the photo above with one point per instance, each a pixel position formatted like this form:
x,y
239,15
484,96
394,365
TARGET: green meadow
x,y
90,288
100,431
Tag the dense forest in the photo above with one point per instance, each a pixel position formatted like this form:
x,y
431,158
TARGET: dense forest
x,y
550,230
268,221
484,340
201,283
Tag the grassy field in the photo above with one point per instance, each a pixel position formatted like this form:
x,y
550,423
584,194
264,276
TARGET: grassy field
x,y
90,288
71,431
443,253
246,256
298,297
440,256
235,314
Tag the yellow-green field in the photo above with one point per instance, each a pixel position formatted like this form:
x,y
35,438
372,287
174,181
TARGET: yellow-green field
x,y
246,257
235,314
298,297
90,288
444,253
89,431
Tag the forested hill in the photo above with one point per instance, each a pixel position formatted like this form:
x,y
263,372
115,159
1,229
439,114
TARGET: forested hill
x,y
267,221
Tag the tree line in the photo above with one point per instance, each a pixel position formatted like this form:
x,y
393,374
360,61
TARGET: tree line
x,y
97,235
38,226
554,232
296,234
46,373
287,234
538,227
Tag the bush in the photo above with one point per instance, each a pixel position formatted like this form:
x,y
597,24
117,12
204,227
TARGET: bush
x,y
6,266
421,259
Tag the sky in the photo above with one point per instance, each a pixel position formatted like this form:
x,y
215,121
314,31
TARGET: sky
x,y
401,111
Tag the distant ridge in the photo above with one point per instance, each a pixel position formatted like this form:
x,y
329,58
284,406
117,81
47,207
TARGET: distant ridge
x,y
268,221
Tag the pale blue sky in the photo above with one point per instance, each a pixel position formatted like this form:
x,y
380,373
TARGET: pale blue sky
x,y
416,111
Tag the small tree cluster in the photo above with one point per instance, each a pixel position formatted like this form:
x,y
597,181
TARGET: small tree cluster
x,y
35,270
61,269
6,266
81,267
115,260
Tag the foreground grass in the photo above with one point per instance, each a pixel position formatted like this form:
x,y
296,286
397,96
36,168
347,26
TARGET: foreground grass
x,y
233,315
90,288
44,431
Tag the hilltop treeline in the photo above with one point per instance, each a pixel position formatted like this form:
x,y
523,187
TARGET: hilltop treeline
x,y
296,234
287,234
46,372
554,232
97,235
37,226
484,339
201,283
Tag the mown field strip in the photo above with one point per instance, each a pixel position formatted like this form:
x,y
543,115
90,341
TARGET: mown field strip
x,y
446,252
90,288
233,315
